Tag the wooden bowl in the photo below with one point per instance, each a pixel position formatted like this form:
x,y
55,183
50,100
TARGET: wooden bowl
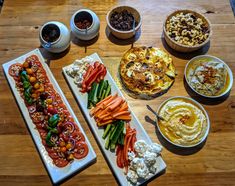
x,y
124,34
186,48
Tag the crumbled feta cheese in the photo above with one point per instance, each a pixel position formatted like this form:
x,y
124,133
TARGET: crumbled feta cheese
x,y
143,172
131,155
78,69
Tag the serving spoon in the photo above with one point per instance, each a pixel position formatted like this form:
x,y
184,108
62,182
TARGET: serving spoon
x,y
155,113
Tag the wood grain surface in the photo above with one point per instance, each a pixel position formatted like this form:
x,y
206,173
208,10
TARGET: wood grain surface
x,y
20,21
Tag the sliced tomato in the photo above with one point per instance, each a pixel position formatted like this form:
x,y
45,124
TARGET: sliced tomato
x,y
32,59
15,69
60,162
53,155
78,136
41,76
81,150
37,117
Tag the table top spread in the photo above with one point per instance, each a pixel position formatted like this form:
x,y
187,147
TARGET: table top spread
x,y
20,22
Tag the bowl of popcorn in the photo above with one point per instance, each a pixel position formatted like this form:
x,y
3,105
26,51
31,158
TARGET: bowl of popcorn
x,y
186,30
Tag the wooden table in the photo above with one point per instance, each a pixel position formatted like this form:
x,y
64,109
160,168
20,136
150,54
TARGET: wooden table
x,y
20,22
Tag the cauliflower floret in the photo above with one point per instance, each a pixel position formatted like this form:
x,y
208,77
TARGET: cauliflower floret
x,y
137,163
140,147
155,148
132,176
143,172
131,155
150,158
153,168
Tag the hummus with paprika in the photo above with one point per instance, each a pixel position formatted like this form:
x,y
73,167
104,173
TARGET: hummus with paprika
x,y
184,122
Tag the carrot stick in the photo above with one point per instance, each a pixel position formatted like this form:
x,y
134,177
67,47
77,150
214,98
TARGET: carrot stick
x,y
113,101
105,99
121,113
115,104
105,123
124,117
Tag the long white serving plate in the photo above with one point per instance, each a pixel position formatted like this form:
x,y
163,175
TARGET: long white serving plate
x,y
57,175
110,156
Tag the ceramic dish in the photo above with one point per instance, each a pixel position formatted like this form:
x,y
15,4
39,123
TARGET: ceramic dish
x,y
124,34
56,174
110,156
198,60
186,48
179,130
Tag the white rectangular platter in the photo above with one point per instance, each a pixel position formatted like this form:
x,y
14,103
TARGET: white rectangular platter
x,y
110,156
56,174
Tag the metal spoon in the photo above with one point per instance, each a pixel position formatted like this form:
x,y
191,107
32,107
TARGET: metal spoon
x,y
133,26
155,113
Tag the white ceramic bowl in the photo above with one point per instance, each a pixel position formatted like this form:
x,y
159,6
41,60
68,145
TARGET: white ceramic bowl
x,y
196,104
91,31
63,41
230,74
124,34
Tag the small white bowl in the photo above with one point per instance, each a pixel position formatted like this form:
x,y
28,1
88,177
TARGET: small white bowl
x,y
196,104
91,31
63,41
230,74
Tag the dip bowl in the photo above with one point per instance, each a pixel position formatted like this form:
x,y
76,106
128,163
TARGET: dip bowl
x,y
81,31
195,104
203,58
54,37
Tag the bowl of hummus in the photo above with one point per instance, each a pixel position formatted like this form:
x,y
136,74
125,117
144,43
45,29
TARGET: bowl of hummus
x,y
208,76
184,122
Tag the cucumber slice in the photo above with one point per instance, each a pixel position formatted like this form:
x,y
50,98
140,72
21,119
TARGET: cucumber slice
x,y
106,132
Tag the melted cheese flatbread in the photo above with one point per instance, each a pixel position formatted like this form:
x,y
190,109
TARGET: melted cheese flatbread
x,y
147,71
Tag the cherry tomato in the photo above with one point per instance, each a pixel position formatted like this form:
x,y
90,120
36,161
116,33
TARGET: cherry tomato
x,y
15,69
60,162
81,150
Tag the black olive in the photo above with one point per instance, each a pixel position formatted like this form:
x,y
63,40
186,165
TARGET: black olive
x,y
44,95
130,64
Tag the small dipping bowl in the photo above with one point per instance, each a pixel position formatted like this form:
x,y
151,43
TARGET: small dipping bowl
x,y
85,24
54,36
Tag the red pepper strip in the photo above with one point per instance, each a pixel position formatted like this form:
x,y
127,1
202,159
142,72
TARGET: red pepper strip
x,y
103,74
96,64
93,77
89,70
